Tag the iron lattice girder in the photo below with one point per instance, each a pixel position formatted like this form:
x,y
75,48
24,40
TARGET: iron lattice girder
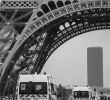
x,y
75,18
82,24
11,25
61,36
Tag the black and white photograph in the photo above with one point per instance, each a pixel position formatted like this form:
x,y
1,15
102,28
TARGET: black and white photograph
x,y
54,49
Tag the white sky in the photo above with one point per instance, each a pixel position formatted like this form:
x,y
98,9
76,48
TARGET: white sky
x,y
68,64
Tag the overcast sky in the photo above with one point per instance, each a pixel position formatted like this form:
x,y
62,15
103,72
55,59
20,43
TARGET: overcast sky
x,y
68,64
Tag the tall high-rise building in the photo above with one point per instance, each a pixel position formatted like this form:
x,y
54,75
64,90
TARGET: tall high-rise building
x,y
95,66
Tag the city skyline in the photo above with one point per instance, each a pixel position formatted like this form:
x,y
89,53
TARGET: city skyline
x,y
72,57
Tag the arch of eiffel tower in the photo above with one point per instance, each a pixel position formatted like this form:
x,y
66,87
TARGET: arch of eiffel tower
x,y
31,30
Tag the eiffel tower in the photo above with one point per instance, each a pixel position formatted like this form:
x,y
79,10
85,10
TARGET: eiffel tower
x,y
31,30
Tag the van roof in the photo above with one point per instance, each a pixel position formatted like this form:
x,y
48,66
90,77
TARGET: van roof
x,y
81,88
35,78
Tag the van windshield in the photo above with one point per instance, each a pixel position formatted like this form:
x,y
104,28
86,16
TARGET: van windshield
x,y
81,94
33,88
